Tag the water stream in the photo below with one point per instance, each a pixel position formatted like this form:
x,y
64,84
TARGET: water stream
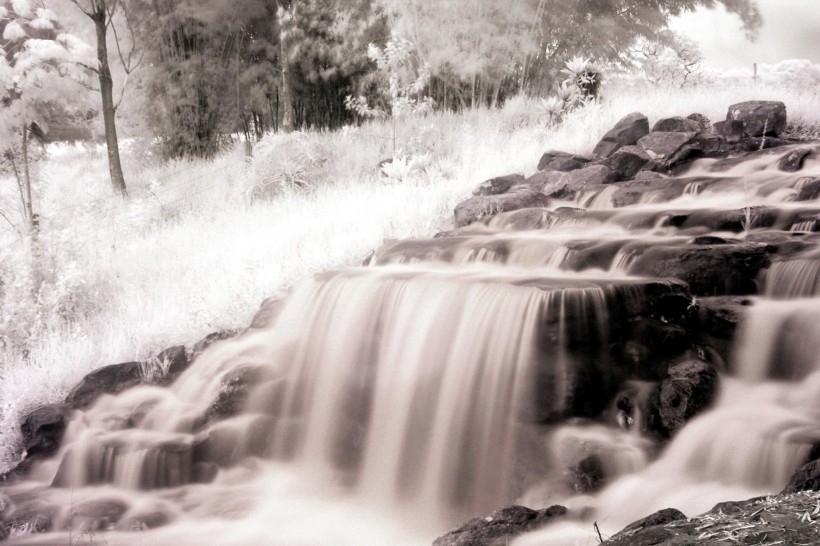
x,y
382,405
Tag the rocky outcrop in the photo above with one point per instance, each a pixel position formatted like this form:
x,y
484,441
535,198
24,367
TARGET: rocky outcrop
x,y
663,145
627,162
110,379
500,527
806,478
760,118
626,132
476,207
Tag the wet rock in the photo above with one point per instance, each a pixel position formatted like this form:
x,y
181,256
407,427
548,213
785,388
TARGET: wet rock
x,y
500,527
760,117
793,161
709,270
43,430
808,189
677,124
111,379
233,392
173,360
703,121
806,478
649,531
210,339
499,184
96,515
561,161
689,388
756,144
626,132
564,185
477,207
728,220
657,144
589,475
733,131
632,192
718,319
627,162
527,219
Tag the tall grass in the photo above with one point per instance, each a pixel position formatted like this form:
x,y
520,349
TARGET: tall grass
x,y
198,245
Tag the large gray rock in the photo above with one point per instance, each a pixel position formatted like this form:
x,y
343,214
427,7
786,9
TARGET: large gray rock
x,y
806,478
500,527
43,429
626,132
110,379
478,206
564,185
676,124
651,530
761,117
561,161
627,162
661,145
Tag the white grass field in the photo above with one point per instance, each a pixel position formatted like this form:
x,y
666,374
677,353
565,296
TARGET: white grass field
x,y
198,245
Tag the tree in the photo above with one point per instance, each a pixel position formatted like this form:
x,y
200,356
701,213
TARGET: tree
x,y
41,67
103,13
522,45
672,59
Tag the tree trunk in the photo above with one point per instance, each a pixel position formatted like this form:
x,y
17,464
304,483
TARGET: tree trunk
x,y
27,201
107,92
287,96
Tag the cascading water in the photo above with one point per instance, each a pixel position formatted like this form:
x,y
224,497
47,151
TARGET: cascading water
x,y
515,360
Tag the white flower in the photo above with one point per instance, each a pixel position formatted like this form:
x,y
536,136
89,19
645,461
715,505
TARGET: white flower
x,y
21,8
13,32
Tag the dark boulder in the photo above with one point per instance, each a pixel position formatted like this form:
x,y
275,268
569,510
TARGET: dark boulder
x,y
499,184
626,132
806,478
689,387
173,361
677,124
561,161
589,475
627,162
477,207
35,516
42,431
761,118
709,270
662,145
111,379
793,161
500,527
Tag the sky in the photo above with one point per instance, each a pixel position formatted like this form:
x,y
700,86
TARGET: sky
x,y
791,30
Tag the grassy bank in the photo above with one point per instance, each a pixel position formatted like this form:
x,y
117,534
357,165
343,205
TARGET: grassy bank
x,y
198,245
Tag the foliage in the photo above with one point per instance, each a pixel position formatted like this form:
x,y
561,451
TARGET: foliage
x,y
672,59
